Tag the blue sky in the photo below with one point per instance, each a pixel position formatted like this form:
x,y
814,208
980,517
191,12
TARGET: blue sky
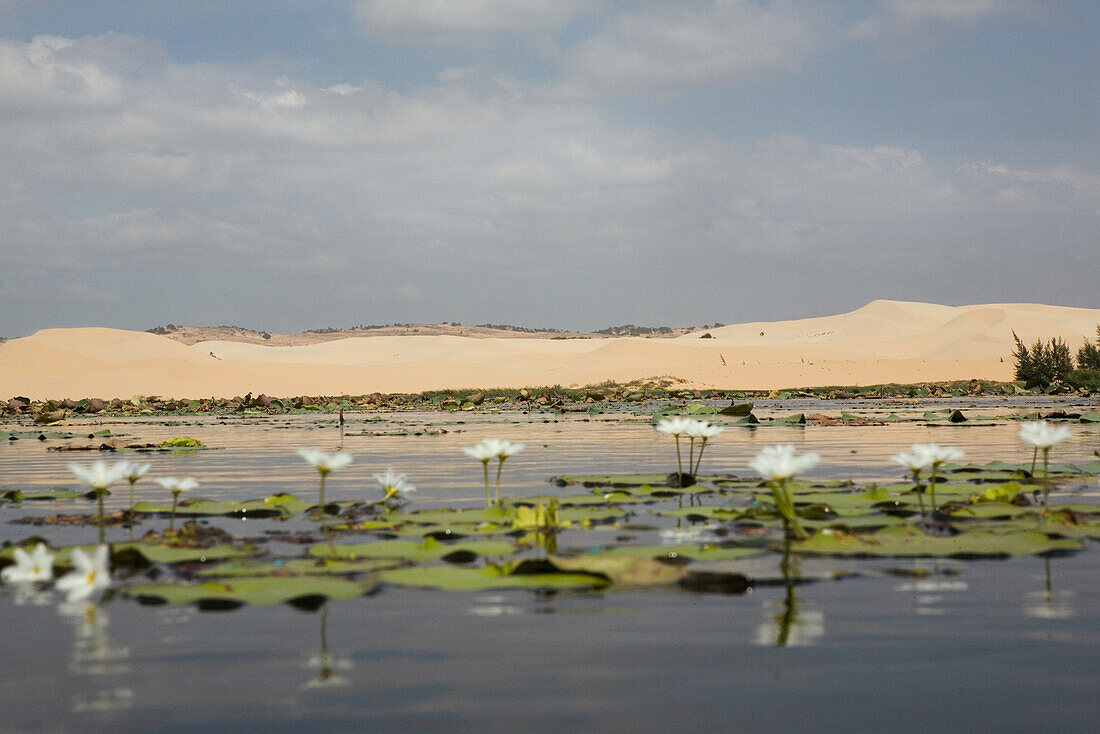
x,y
290,165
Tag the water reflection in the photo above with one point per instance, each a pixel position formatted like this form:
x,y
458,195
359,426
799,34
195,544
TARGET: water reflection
x,y
327,664
1048,603
793,625
930,594
96,654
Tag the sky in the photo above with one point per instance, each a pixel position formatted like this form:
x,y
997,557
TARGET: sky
x,y
570,164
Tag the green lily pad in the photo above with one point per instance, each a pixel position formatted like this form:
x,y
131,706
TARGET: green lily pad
x,y
156,553
451,518
454,578
428,550
42,495
276,505
908,541
683,552
297,567
258,591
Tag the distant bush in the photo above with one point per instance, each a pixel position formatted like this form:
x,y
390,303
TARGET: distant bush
x,y
1089,379
1088,356
1043,363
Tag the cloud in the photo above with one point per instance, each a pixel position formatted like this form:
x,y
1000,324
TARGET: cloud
x,y
668,47
195,192
906,27
463,22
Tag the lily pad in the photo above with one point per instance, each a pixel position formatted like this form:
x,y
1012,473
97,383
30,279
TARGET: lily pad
x,y
297,567
908,541
42,495
428,550
705,552
276,505
453,578
258,591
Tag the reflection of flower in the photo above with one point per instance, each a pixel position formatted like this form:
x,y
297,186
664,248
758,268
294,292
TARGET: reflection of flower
x,y
1043,435
791,627
94,652
90,574
328,667
29,567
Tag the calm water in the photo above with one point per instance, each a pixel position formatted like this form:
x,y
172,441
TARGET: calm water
x,y
981,646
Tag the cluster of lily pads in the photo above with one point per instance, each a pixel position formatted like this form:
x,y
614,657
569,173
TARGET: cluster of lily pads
x,y
513,542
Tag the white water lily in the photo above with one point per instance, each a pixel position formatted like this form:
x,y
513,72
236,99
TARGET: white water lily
x,y
779,462
704,430
99,475
29,567
936,455
485,450
136,471
90,574
1043,435
323,462
912,462
675,425
394,485
915,462
176,485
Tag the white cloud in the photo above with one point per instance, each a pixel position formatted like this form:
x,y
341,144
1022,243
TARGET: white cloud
x,y
462,22
477,198
663,47
903,27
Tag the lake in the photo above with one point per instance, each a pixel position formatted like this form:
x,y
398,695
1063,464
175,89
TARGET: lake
x,y
899,644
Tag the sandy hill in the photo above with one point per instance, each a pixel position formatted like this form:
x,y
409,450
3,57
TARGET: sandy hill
x,y
885,341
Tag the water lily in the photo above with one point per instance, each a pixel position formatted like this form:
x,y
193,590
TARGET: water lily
x,y
486,449
98,476
935,456
676,426
705,431
176,486
136,472
395,486
90,574
1043,436
325,463
915,462
778,465
29,567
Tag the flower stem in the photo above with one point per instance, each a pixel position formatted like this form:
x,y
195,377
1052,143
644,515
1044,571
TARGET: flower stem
x,y
500,465
679,464
99,500
485,469
1046,478
699,460
172,518
932,485
920,494
785,506
691,454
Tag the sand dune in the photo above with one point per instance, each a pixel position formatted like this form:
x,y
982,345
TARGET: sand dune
x,y
885,341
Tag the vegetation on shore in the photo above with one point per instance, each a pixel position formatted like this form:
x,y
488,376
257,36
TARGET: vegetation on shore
x,y
1050,363
545,398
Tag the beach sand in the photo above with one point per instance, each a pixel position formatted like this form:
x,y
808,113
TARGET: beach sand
x,y
883,342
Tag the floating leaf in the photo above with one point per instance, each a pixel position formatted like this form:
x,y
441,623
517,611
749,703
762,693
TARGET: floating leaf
x,y
906,540
297,567
454,578
428,550
704,552
157,553
258,591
